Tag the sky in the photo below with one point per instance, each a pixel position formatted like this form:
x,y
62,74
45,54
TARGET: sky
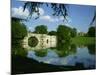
x,y
79,16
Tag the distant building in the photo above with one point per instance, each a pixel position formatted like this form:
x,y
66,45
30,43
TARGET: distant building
x,y
81,34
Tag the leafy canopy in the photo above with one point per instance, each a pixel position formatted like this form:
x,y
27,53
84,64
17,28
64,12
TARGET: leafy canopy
x,y
41,29
58,9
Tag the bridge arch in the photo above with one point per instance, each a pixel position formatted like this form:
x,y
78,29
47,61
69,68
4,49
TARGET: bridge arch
x,y
44,41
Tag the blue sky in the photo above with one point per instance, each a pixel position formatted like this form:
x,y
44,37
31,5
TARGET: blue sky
x,y
79,17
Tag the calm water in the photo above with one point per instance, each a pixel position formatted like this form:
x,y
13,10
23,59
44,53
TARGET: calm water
x,y
65,55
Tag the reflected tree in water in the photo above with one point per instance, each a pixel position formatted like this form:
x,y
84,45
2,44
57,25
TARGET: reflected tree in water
x,y
65,49
40,53
92,49
19,51
73,48
62,49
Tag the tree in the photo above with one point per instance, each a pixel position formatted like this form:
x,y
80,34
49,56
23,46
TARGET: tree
x,y
93,19
42,29
18,32
73,32
91,32
63,34
58,9
52,33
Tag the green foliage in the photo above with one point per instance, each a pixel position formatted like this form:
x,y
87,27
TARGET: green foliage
x,y
62,49
73,32
41,53
92,48
18,50
32,41
18,32
65,49
63,34
42,29
52,33
92,32
72,49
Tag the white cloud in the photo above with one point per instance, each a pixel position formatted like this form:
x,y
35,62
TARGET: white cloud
x,y
30,28
41,11
46,17
69,25
49,18
78,30
68,18
53,19
18,12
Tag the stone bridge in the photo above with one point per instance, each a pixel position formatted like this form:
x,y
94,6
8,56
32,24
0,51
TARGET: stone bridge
x,y
44,41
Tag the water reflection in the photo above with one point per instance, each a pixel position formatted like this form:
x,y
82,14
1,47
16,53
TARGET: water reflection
x,y
65,49
41,53
65,54
92,48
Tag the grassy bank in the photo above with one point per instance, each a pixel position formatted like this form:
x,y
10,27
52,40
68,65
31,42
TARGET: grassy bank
x,y
83,40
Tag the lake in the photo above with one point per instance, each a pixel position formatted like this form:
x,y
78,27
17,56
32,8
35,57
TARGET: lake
x,y
65,55
52,57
